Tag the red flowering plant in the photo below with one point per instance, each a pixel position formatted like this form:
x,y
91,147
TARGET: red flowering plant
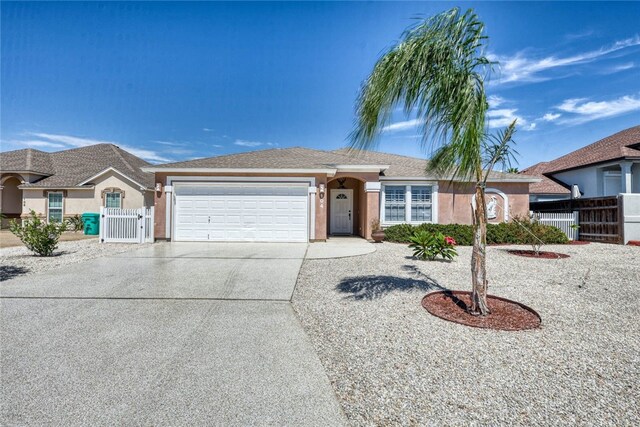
x,y
429,246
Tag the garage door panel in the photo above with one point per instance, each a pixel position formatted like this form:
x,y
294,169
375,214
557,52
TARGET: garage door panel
x,y
276,213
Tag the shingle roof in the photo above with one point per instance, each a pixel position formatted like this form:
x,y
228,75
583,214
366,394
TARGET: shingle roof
x,y
306,158
624,144
69,168
546,186
412,167
26,160
276,158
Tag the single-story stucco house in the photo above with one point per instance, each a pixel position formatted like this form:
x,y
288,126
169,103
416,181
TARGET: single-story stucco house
x,y
71,182
300,194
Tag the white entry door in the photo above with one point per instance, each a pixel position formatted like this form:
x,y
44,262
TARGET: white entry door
x,y
341,211
241,212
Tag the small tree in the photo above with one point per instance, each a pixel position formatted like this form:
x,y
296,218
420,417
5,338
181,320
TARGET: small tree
x,y
438,71
38,236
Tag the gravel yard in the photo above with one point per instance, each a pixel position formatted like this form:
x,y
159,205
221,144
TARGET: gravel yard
x,y
18,261
392,363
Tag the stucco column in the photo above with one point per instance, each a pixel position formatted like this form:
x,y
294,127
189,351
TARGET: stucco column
x,y
625,176
372,189
321,196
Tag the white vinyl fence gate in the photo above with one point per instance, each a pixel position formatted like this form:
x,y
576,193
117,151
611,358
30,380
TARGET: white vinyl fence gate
x,y
567,222
126,225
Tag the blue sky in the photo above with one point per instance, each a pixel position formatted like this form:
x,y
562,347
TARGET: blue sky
x,y
174,81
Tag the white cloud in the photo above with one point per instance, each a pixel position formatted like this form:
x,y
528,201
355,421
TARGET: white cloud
x,y
38,144
531,126
584,110
503,117
400,126
169,143
216,145
617,68
244,143
519,68
550,117
67,141
495,101
70,140
207,130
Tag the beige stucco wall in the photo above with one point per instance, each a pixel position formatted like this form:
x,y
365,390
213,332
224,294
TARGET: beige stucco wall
x,y
454,201
321,205
79,201
11,196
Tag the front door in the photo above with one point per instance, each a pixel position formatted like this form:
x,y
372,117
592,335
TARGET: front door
x,y
341,211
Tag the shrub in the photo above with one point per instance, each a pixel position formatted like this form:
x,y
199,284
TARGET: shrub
x,y
429,246
38,236
507,232
75,223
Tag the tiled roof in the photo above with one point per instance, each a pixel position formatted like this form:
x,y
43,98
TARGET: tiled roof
x,y
624,144
546,186
69,168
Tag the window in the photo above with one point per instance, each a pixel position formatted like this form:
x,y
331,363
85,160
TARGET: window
x,y
113,200
394,203
55,207
409,203
420,203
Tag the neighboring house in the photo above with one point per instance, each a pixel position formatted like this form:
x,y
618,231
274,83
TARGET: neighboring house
x,y
605,168
547,189
71,182
299,194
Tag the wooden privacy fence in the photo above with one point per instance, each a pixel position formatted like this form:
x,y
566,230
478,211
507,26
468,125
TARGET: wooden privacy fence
x,y
566,222
599,218
126,225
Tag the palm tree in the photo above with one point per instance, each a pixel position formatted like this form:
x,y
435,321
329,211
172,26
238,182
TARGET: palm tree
x,y
438,71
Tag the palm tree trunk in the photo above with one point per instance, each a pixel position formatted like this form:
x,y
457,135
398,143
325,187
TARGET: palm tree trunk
x,y
478,258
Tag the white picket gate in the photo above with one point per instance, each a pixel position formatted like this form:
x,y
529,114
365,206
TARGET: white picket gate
x,y
565,221
126,225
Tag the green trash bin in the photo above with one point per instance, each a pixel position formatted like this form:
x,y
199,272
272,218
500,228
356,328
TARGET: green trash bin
x,y
91,222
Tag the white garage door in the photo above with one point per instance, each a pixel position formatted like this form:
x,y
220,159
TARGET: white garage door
x,y
241,212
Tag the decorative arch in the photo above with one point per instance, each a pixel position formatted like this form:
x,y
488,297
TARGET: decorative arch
x,y
501,194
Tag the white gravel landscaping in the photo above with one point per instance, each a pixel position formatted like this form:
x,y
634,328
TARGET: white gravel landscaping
x,y
18,261
392,363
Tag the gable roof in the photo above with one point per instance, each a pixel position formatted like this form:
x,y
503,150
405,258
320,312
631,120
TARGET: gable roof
x,y
547,185
622,145
70,168
302,159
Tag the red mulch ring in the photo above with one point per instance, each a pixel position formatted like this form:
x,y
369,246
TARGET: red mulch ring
x,y
633,243
506,315
578,242
541,254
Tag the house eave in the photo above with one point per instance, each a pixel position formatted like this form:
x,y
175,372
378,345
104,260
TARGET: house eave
x,y
427,178
282,171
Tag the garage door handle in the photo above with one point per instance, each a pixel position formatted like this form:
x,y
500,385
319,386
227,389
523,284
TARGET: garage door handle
x,y
349,215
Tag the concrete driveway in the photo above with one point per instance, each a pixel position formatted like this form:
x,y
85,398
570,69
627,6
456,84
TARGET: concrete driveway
x,y
170,334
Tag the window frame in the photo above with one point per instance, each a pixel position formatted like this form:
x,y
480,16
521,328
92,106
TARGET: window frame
x,y
106,196
403,204
49,208
408,201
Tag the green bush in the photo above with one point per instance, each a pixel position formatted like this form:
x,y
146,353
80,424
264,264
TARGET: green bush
x,y
38,236
429,246
514,232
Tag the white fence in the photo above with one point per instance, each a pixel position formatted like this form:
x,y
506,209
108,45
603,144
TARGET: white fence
x,y
126,225
567,222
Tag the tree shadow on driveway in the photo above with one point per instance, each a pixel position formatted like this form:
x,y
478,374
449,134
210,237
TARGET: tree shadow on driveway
x,y
375,286
10,271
